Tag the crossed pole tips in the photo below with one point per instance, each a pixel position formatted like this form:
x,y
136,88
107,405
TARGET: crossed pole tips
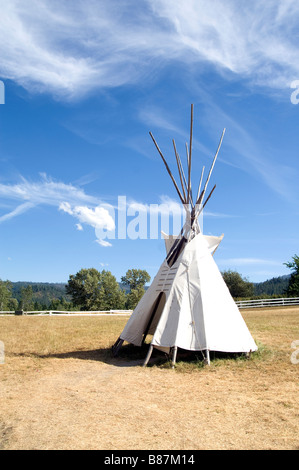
x,y
185,193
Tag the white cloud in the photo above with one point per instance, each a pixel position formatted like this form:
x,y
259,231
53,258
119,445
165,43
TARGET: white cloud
x,y
66,197
46,191
70,50
18,211
97,217
66,207
103,242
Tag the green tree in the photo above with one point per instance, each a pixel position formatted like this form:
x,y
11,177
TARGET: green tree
x,y
237,285
13,304
26,298
135,279
83,286
94,290
133,297
293,287
5,295
60,304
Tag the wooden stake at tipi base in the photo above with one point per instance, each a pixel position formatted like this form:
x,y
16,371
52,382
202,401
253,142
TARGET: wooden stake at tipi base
x,y
188,305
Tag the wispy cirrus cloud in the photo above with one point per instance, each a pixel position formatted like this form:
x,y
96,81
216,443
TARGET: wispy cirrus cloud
x,y
251,39
246,150
17,211
86,209
70,50
45,191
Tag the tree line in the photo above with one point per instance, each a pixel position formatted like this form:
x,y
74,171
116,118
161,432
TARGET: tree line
x,y
283,286
90,290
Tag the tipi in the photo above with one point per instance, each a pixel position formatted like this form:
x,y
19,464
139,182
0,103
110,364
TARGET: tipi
x,y
188,304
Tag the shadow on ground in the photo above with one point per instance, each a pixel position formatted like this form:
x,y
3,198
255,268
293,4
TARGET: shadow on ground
x,y
130,356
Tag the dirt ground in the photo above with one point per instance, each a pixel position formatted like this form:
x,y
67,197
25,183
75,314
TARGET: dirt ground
x,y
86,400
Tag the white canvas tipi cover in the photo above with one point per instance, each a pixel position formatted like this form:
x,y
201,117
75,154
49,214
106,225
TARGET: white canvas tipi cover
x,y
189,306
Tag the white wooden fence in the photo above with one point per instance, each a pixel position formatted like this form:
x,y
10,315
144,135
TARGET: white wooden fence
x,y
241,304
268,302
63,313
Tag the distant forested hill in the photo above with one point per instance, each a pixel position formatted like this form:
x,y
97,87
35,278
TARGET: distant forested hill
x,y
274,286
43,292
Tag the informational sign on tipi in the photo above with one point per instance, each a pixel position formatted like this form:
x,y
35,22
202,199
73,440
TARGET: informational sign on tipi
x,y
188,304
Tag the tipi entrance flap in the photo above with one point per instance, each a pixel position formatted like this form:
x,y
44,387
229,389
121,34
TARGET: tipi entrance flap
x,y
157,310
166,331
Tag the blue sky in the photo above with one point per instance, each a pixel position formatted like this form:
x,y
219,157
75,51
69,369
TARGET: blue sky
x,y
85,82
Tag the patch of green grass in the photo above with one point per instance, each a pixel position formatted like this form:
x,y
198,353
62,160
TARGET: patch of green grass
x,y
189,362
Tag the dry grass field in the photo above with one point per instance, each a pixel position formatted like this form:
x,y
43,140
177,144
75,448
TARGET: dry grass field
x,y
61,389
